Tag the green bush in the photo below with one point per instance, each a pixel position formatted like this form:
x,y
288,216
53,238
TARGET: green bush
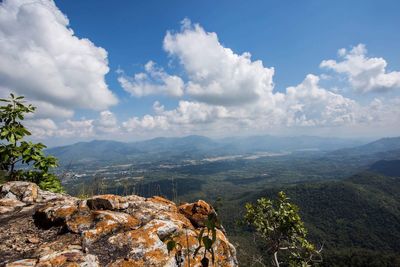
x,y
279,224
15,151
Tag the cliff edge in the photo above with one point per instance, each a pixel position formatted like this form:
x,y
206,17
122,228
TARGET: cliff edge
x,y
40,228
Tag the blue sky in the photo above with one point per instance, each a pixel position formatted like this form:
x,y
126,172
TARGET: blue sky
x,y
351,95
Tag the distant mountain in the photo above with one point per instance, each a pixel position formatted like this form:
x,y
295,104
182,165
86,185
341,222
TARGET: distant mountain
x,y
189,147
97,150
149,150
378,146
362,157
162,144
288,143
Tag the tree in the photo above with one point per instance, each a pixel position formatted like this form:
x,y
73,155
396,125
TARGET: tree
x,y
15,151
279,224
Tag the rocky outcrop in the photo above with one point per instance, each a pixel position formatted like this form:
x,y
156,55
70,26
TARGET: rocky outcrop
x,y
40,228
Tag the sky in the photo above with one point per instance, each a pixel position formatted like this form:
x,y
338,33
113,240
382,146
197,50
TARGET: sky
x,y
133,70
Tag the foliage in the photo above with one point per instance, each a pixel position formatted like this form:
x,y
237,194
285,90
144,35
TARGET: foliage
x,y
279,224
14,150
206,240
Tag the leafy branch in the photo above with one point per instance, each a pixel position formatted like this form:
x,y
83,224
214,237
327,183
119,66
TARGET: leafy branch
x,y
206,239
15,151
279,224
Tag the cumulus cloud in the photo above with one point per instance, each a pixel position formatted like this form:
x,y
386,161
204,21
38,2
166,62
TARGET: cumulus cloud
x,y
308,104
231,92
103,126
153,81
42,59
216,75
76,128
41,128
107,122
219,90
186,113
363,73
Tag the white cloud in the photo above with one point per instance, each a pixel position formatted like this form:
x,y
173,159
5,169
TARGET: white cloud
x,y
220,91
106,123
76,128
186,114
216,74
229,93
41,128
42,59
309,105
147,122
49,110
364,74
153,81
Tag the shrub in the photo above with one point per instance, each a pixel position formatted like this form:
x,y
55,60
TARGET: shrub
x,y
15,151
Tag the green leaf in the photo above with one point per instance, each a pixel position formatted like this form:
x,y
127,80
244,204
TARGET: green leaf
x,y
200,236
171,245
207,242
196,251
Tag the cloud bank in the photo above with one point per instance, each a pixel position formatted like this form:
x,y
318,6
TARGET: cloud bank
x,y
226,91
215,90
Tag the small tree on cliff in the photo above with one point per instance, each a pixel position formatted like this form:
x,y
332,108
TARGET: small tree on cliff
x,y
279,224
15,151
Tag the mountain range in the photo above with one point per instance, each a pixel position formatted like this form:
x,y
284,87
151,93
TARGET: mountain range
x,y
192,147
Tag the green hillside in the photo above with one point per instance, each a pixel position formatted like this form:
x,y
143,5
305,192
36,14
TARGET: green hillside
x,y
357,219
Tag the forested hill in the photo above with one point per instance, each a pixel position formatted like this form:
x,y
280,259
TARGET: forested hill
x,y
356,218
387,167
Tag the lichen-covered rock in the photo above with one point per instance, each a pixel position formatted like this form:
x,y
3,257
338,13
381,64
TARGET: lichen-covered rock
x,y
22,263
9,204
197,212
23,191
71,257
107,202
39,228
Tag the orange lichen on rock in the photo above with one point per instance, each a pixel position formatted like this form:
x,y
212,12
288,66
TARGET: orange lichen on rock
x,y
197,212
108,230
107,202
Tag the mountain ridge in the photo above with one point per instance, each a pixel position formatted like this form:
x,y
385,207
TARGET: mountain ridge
x,y
191,147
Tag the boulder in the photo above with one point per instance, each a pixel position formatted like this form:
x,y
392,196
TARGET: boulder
x,y
9,205
40,228
107,202
23,191
197,212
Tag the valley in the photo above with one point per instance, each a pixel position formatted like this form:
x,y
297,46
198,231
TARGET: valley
x,y
348,197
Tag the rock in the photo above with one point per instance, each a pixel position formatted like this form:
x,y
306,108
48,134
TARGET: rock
x,y
51,229
22,263
33,240
9,205
68,258
197,212
107,202
46,196
108,222
23,191
54,214
80,222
